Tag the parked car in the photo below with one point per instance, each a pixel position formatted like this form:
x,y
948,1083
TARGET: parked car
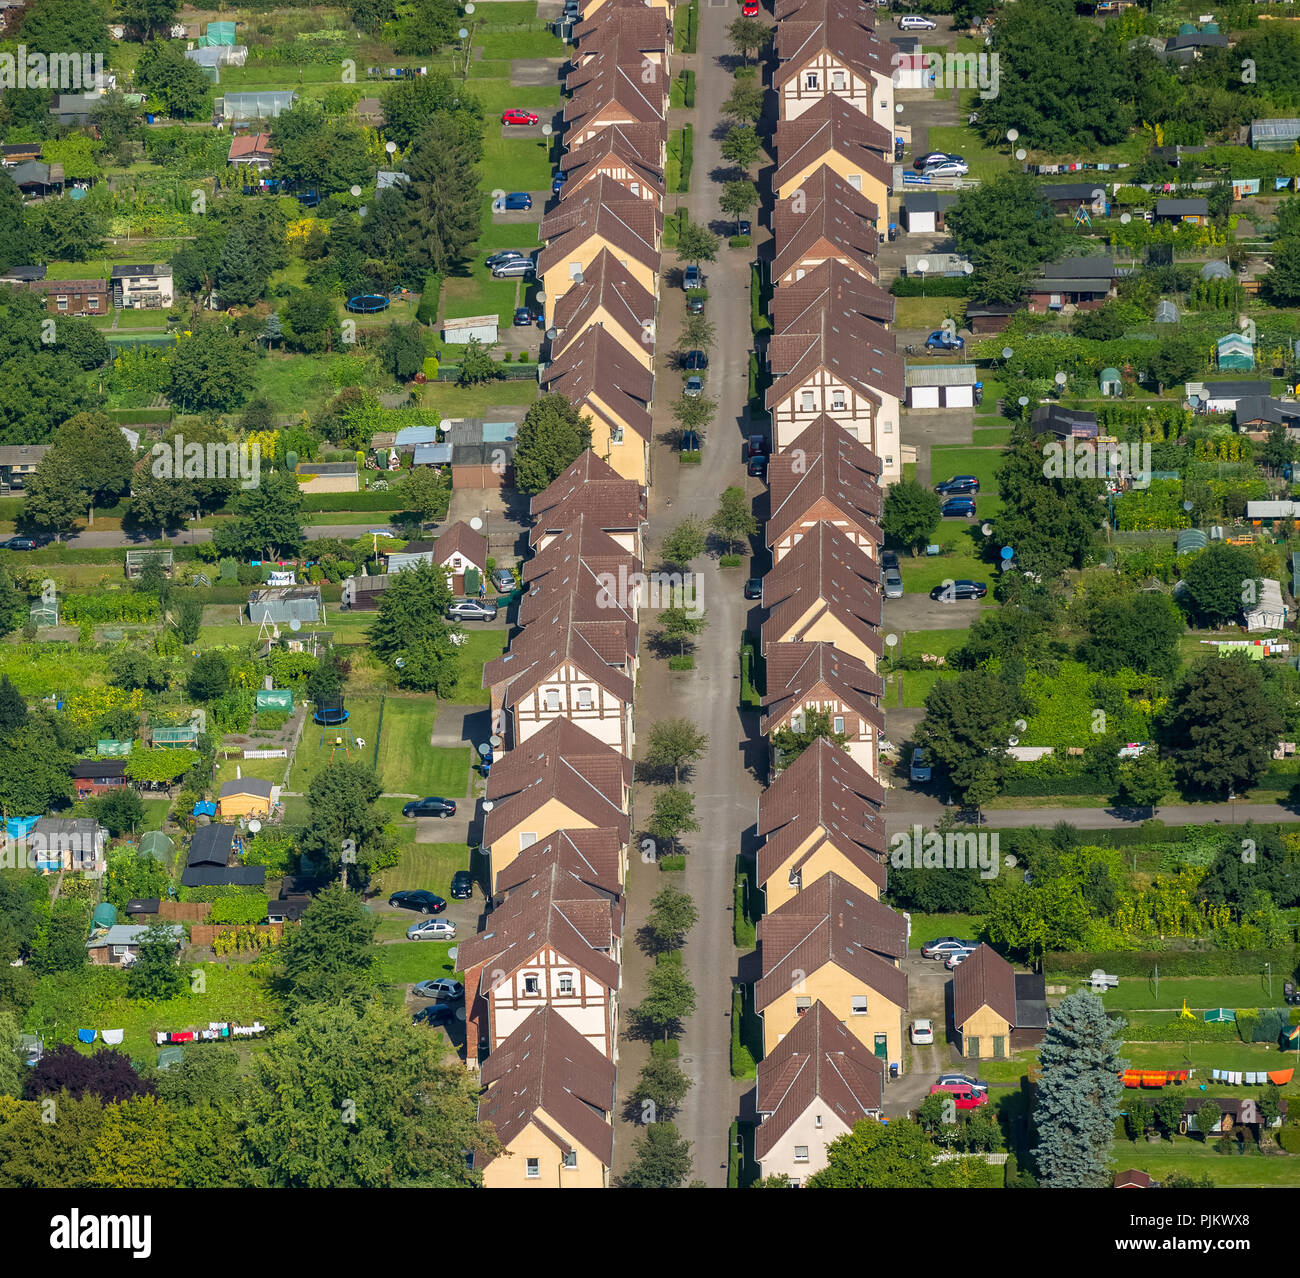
x,y
750,8
515,116
503,579
963,1097
942,946
756,446
942,340
953,168
443,989
958,486
754,588
18,543
692,277
517,202
1134,749
418,899
920,769
695,306
573,8
929,158
438,1014
504,256
429,806
959,590
914,22
695,361
462,885
957,958
922,1031
962,1080
958,508
432,930
743,227
515,268
757,466
694,386
893,580
689,442
471,610
889,559
557,183
524,317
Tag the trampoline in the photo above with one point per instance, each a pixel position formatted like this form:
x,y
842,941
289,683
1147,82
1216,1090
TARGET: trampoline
x,y
330,712
367,303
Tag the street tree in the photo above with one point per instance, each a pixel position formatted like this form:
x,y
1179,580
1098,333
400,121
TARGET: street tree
x,y
696,243
1078,1094
967,723
698,333
738,198
672,915
684,542
669,999
748,35
1145,782
745,102
679,626
663,1160
742,146
734,520
659,1090
675,744
693,411
672,816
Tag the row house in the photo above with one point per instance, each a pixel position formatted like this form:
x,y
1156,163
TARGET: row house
x,y
833,943
596,857
823,220
823,815
630,34
607,156
579,595
836,486
555,942
561,778
603,217
601,378
833,135
843,366
636,146
609,298
805,677
826,590
592,7
549,1097
818,1082
606,92
583,544
829,48
829,284
590,488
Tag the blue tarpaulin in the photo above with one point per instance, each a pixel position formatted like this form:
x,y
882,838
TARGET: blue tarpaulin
x,y
18,827
204,809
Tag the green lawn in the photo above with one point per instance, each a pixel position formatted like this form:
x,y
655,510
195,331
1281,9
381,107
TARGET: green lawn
x,y
408,763
992,436
405,962
939,642
925,927
480,647
423,865
1201,992
318,744
928,312
1191,1156
916,684
475,401
264,769
923,572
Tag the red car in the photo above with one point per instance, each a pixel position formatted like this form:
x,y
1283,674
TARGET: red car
x,y
750,8
514,116
964,1096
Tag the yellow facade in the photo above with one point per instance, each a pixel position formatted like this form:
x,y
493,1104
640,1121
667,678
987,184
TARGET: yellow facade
x,y
830,629
872,187
982,1034
837,988
511,1169
628,456
246,805
635,344
827,859
558,280
552,815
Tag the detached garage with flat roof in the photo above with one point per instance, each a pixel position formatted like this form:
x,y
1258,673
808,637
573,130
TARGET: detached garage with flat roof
x,y
941,385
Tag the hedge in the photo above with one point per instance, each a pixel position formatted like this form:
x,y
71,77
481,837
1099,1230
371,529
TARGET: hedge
x,y
1289,1139
238,910
64,554
744,932
1180,1031
943,286
758,321
1029,786
320,503
1172,962
138,416
742,1063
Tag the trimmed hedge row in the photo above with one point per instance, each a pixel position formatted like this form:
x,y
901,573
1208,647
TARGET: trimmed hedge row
x,y
1029,786
1180,1031
1172,962
321,503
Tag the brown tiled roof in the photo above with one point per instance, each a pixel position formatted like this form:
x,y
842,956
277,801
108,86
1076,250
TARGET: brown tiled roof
x,y
799,673
565,763
808,10
827,212
607,83
606,209
622,29
547,1065
825,573
854,349
553,910
818,1060
589,487
461,537
250,144
592,856
597,365
799,483
597,159
831,922
833,125
831,284
581,542
841,27
606,285
579,598
986,978
823,789
551,641
824,434
640,144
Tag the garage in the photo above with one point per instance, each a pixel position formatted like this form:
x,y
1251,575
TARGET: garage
x,y
941,385
460,332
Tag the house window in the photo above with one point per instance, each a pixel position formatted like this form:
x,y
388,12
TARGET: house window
x,y
837,401
801,1153
805,401
553,700
531,984
575,269
796,879
566,984
837,81
615,434
812,80
801,1004
837,724
855,181
92,303
570,1159
889,461
800,273
584,698
635,188
859,1005
817,1120
63,303
533,1168
121,951
526,839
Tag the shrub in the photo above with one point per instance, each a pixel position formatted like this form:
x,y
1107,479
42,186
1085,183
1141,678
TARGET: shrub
x,y
742,1063
738,241
690,459
666,1048
1180,1031
744,932
1172,962
272,720
681,663
730,561
238,910
674,863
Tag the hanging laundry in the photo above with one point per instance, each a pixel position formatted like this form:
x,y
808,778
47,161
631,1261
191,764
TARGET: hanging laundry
x,y
86,1036
111,1036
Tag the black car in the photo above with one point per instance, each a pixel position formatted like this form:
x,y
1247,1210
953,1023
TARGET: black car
x,y
462,885
958,486
18,543
889,559
431,806
756,446
754,588
695,361
690,441
954,590
742,227
757,467
418,899
438,1014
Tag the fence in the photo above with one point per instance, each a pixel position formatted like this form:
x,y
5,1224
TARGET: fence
x,y
266,754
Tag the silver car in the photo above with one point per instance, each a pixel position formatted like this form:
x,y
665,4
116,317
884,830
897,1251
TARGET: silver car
x,y
893,583
432,930
471,610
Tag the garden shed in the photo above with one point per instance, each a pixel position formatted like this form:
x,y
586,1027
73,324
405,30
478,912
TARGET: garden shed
x,y
184,737
156,844
1274,135
108,748
281,605
137,559
263,105
246,797
1110,382
460,332
941,385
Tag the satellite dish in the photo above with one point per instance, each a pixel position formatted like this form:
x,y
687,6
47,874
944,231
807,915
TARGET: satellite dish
x,y
1061,379
295,624
484,750
552,334
1021,153
1012,134
495,742
463,34
355,190
476,523
546,130
488,805
451,953
400,663
1007,352
390,147
254,825
923,265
